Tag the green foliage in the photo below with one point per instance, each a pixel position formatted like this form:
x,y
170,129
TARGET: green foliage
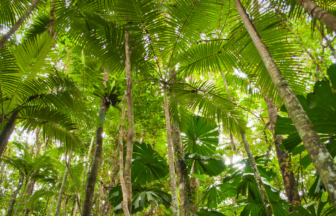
x,y
310,210
147,164
199,136
320,107
204,164
37,195
142,197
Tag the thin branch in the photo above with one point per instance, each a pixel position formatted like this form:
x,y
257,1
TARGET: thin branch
x,y
73,179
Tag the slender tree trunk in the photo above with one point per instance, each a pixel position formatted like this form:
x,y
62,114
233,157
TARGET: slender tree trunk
x,y
180,165
130,118
317,151
264,197
50,206
73,206
7,131
319,13
291,187
38,142
173,188
121,160
91,181
13,200
65,204
52,18
59,202
86,159
194,185
15,27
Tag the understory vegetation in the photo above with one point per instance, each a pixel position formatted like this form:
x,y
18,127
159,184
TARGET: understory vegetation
x,y
176,107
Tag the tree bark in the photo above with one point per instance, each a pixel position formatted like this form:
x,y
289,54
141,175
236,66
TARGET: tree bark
x,y
38,142
180,166
317,151
91,181
264,197
121,160
319,13
15,27
284,158
52,18
13,200
7,131
194,185
59,202
173,188
130,118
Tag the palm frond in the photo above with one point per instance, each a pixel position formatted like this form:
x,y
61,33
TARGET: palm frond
x,y
208,99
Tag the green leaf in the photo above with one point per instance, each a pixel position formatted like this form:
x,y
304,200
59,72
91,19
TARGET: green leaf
x,y
205,164
37,195
199,136
209,212
147,164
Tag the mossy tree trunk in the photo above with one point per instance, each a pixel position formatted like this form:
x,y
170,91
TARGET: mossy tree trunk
x,y
7,131
130,119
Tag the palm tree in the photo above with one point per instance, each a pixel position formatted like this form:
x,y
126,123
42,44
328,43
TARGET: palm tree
x,y
109,94
320,156
36,102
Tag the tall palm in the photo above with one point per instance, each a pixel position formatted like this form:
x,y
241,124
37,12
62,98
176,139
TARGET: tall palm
x,y
320,156
109,94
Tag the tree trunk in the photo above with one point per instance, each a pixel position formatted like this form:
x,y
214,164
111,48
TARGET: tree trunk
x,y
317,151
7,131
264,197
59,202
13,200
15,27
121,159
193,188
38,142
173,188
180,166
293,196
91,181
319,13
73,207
86,159
130,119
52,18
